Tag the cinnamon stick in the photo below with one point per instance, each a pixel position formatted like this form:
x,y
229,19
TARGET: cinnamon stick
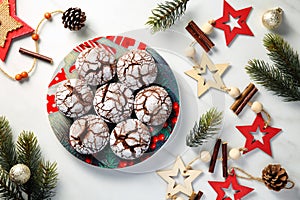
x,y
214,156
224,159
35,55
199,36
196,196
246,100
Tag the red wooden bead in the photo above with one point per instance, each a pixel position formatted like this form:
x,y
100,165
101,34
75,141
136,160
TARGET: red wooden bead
x,y
18,77
24,74
47,15
35,36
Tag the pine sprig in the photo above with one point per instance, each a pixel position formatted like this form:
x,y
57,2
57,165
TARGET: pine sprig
x,y
8,156
8,189
165,15
283,56
283,77
205,128
273,79
47,179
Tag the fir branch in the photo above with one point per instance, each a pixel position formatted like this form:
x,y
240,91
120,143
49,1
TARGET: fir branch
x,y
8,156
273,79
205,128
8,189
283,56
29,154
47,180
165,15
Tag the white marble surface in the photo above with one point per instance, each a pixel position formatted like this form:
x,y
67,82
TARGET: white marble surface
x,y
24,104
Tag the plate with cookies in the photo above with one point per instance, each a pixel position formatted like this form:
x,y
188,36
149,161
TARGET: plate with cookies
x,y
113,102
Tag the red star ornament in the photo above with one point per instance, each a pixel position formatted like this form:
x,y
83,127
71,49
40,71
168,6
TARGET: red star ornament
x,y
18,32
231,180
241,14
258,124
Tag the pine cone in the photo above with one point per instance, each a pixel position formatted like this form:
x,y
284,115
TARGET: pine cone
x,y
275,177
73,19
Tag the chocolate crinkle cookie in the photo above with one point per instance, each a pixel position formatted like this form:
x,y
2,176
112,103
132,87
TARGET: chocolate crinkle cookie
x,y
153,105
113,102
74,98
136,69
89,134
130,139
96,66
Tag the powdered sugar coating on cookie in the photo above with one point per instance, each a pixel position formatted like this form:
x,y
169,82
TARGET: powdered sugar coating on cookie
x,y
153,105
98,67
89,134
130,139
136,69
113,102
74,98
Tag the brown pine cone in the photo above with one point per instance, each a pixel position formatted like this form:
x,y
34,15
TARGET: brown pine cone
x,y
73,19
275,177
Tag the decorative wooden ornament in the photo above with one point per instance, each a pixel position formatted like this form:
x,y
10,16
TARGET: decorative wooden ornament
x,y
242,16
231,180
11,26
258,124
189,176
217,71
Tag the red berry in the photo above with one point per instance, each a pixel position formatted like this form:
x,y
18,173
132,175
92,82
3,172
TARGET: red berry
x,y
154,139
122,164
174,120
88,160
166,125
176,106
130,163
161,137
152,146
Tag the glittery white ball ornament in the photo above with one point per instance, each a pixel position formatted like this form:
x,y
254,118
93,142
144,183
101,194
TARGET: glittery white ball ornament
x,y
19,174
272,19
205,156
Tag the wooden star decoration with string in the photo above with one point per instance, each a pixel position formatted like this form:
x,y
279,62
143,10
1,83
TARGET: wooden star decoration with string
x,y
217,71
242,16
10,26
258,125
231,180
188,175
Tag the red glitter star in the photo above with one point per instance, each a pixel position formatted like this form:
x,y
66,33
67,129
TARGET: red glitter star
x,y
258,124
242,17
231,180
24,29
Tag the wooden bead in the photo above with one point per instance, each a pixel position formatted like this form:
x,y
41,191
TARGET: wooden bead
x,y
234,154
47,15
24,74
35,36
257,107
205,156
234,92
207,28
190,52
18,77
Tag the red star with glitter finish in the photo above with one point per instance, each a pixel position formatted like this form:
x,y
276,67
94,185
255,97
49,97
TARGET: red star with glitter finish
x,y
258,124
241,14
230,180
25,29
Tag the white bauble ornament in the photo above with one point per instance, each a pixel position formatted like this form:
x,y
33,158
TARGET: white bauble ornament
x,y
19,174
272,19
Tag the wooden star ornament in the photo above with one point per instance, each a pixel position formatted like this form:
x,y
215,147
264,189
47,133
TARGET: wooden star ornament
x,y
230,182
10,26
179,169
258,125
242,16
217,71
